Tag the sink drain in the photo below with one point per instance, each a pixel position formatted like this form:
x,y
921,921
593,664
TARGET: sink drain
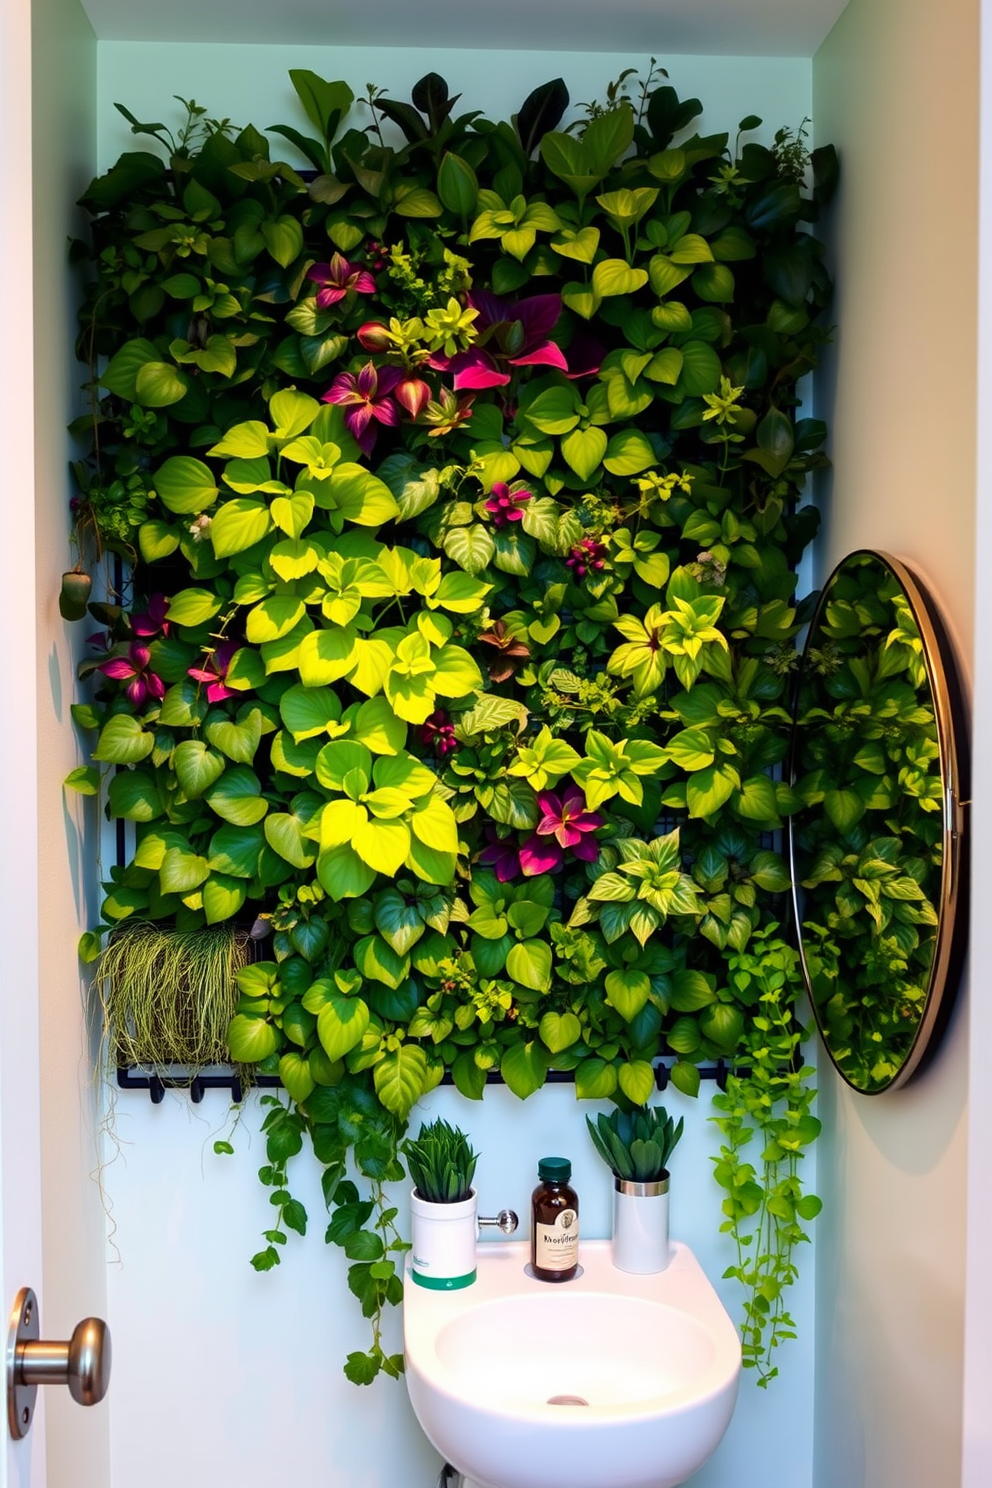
x,y
566,1400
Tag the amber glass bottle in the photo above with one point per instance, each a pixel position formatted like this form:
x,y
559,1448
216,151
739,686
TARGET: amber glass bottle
x,y
554,1227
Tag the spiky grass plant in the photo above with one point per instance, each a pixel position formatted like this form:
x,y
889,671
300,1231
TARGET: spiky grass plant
x,y
441,1162
168,996
636,1145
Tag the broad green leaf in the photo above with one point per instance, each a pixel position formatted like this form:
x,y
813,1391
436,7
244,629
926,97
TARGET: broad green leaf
x,y
435,825
197,767
595,1079
398,922
383,845
401,1078
554,411
250,1040
472,548
628,453
292,412
714,282
691,749
326,656
685,1077
690,249
223,896
134,795
192,607
580,245
341,1024
185,484
235,851
343,874
459,593
123,368
416,201
357,496
157,540
247,441
529,963
182,871
709,789
239,741
284,834
375,725
291,514
457,185
524,1068
237,525
615,277
85,779
584,449
307,711
123,741
691,990
637,1081
560,1031
273,618
844,808
283,239
627,991
607,138
294,1072
159,385
378,961
236,797
701,369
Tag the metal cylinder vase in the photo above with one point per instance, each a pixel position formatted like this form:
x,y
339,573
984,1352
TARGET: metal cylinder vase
x,y
444,1240
640,1226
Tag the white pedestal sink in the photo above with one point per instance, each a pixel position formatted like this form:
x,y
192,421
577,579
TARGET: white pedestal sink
x,y
608,1381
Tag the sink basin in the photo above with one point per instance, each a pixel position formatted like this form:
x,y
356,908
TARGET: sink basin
x,y
608,1381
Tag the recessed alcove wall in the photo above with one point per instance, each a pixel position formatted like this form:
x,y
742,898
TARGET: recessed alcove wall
x,y
184,1214
896,86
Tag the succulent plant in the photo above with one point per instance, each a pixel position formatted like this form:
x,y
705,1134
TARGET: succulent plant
x,y
636,1145
441,1162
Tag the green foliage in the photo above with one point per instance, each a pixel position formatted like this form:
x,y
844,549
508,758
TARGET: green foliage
x,y
441,1163
636,1145
464,489
767,1103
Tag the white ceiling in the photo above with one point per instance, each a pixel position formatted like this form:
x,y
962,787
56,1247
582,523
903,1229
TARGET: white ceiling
x,y
756,28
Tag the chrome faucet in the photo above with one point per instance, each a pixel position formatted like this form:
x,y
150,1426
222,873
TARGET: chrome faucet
x,y
505,1221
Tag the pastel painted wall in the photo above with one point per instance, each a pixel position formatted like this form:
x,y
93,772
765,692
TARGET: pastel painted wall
x,y
976,1467
895,87
239,1374
73,1284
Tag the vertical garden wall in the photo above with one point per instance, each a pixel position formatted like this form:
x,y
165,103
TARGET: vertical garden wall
x,y
458,482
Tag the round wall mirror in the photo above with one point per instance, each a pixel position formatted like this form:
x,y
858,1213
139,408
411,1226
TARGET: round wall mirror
x,y
878,755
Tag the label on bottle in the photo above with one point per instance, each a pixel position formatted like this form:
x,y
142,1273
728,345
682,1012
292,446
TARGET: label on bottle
x,y
557,1246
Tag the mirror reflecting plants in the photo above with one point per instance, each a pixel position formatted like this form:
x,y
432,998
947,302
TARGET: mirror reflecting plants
x,y
876,846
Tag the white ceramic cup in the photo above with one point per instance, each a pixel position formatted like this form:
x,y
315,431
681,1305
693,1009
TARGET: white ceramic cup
x,y
444,1240
640,1226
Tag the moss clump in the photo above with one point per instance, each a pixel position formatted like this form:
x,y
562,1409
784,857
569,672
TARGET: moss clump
x,y
168,995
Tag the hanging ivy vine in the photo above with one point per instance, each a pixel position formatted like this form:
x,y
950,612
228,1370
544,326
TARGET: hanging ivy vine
x,y
460,482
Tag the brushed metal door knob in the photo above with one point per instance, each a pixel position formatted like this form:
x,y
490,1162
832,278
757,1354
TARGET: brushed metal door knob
x,y
82,1364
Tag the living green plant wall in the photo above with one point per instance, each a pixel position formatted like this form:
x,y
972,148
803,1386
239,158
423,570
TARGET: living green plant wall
x,y
460,486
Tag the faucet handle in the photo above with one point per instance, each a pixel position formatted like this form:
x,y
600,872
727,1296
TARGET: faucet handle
x,y
505,1221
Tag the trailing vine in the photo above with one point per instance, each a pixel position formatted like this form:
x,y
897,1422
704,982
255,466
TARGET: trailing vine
x,y
462,472
767,1103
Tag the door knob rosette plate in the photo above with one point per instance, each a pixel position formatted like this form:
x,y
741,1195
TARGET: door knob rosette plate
x,y
83,1363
